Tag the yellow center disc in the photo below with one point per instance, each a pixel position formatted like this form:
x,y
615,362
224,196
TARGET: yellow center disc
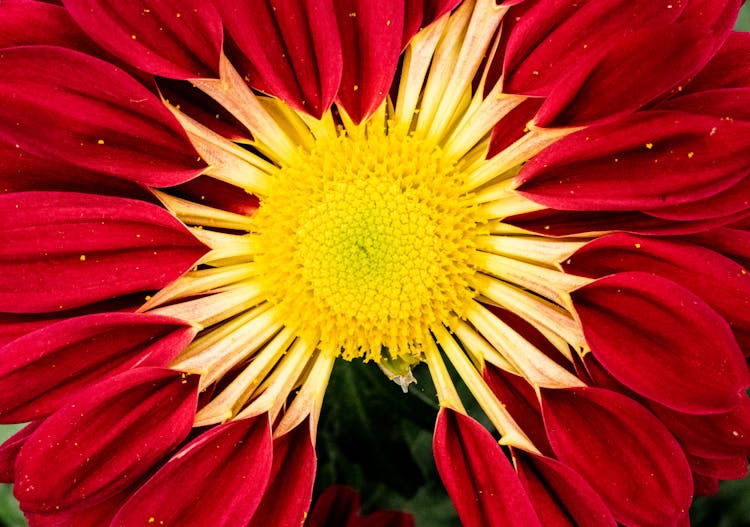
x,y
367,243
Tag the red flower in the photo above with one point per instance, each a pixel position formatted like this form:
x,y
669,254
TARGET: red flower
x,y
206,204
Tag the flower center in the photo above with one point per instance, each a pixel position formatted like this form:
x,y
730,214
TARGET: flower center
x,y
367,242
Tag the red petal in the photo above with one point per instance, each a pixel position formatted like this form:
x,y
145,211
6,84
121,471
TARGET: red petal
x,y
171,38
99,119
521,401
663,342
634,71
218,194
371,34
42,370
560,496
731,468
713,435
729,68
21,171
10,449
289,491
338,506
109,437
555,37
63,250
622,451
720,282
421,13
478,477
645,161
99,515
726,103
704,485
218,480
292,46
39,23
387,519
551,222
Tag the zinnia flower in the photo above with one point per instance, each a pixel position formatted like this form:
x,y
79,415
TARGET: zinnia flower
x,y
207,204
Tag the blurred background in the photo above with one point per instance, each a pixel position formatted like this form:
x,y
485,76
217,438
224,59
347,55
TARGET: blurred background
x,y
379,441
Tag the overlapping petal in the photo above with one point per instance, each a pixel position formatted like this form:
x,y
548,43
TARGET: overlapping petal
x,y
636,322
560,496
478,477
40,371
105,439
191,489
172,38
621,450
63,250
292,47
10,448
98,118
640,162
289,492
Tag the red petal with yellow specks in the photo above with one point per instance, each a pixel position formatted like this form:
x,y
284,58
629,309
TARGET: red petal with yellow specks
x,y
40,371
63,250
191,489
635,324
292,47
106,438
638,163
97,119
171,38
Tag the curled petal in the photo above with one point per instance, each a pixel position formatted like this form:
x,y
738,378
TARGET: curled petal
x,y
107,437
604,84
40,371
172,38
292,47
99,118
10,449
663,342
287,498
729,468
63,250
729,104
560,496
645,161
371,38
621,450
190,490
478,477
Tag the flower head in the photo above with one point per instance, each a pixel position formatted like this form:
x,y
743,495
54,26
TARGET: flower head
x,y
209,204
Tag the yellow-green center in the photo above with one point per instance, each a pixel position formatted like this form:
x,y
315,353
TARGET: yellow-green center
x,y
367,243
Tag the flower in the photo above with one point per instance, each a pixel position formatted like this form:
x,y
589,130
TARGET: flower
x,y
208,204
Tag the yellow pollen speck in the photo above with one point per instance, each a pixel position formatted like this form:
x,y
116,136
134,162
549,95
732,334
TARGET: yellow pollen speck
x,y
353,14
133,37
151,519
649,145
637,245
367,243
387,22
146,10
83,258
179,15
356,87
147,297
690,155
100,141
585,46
